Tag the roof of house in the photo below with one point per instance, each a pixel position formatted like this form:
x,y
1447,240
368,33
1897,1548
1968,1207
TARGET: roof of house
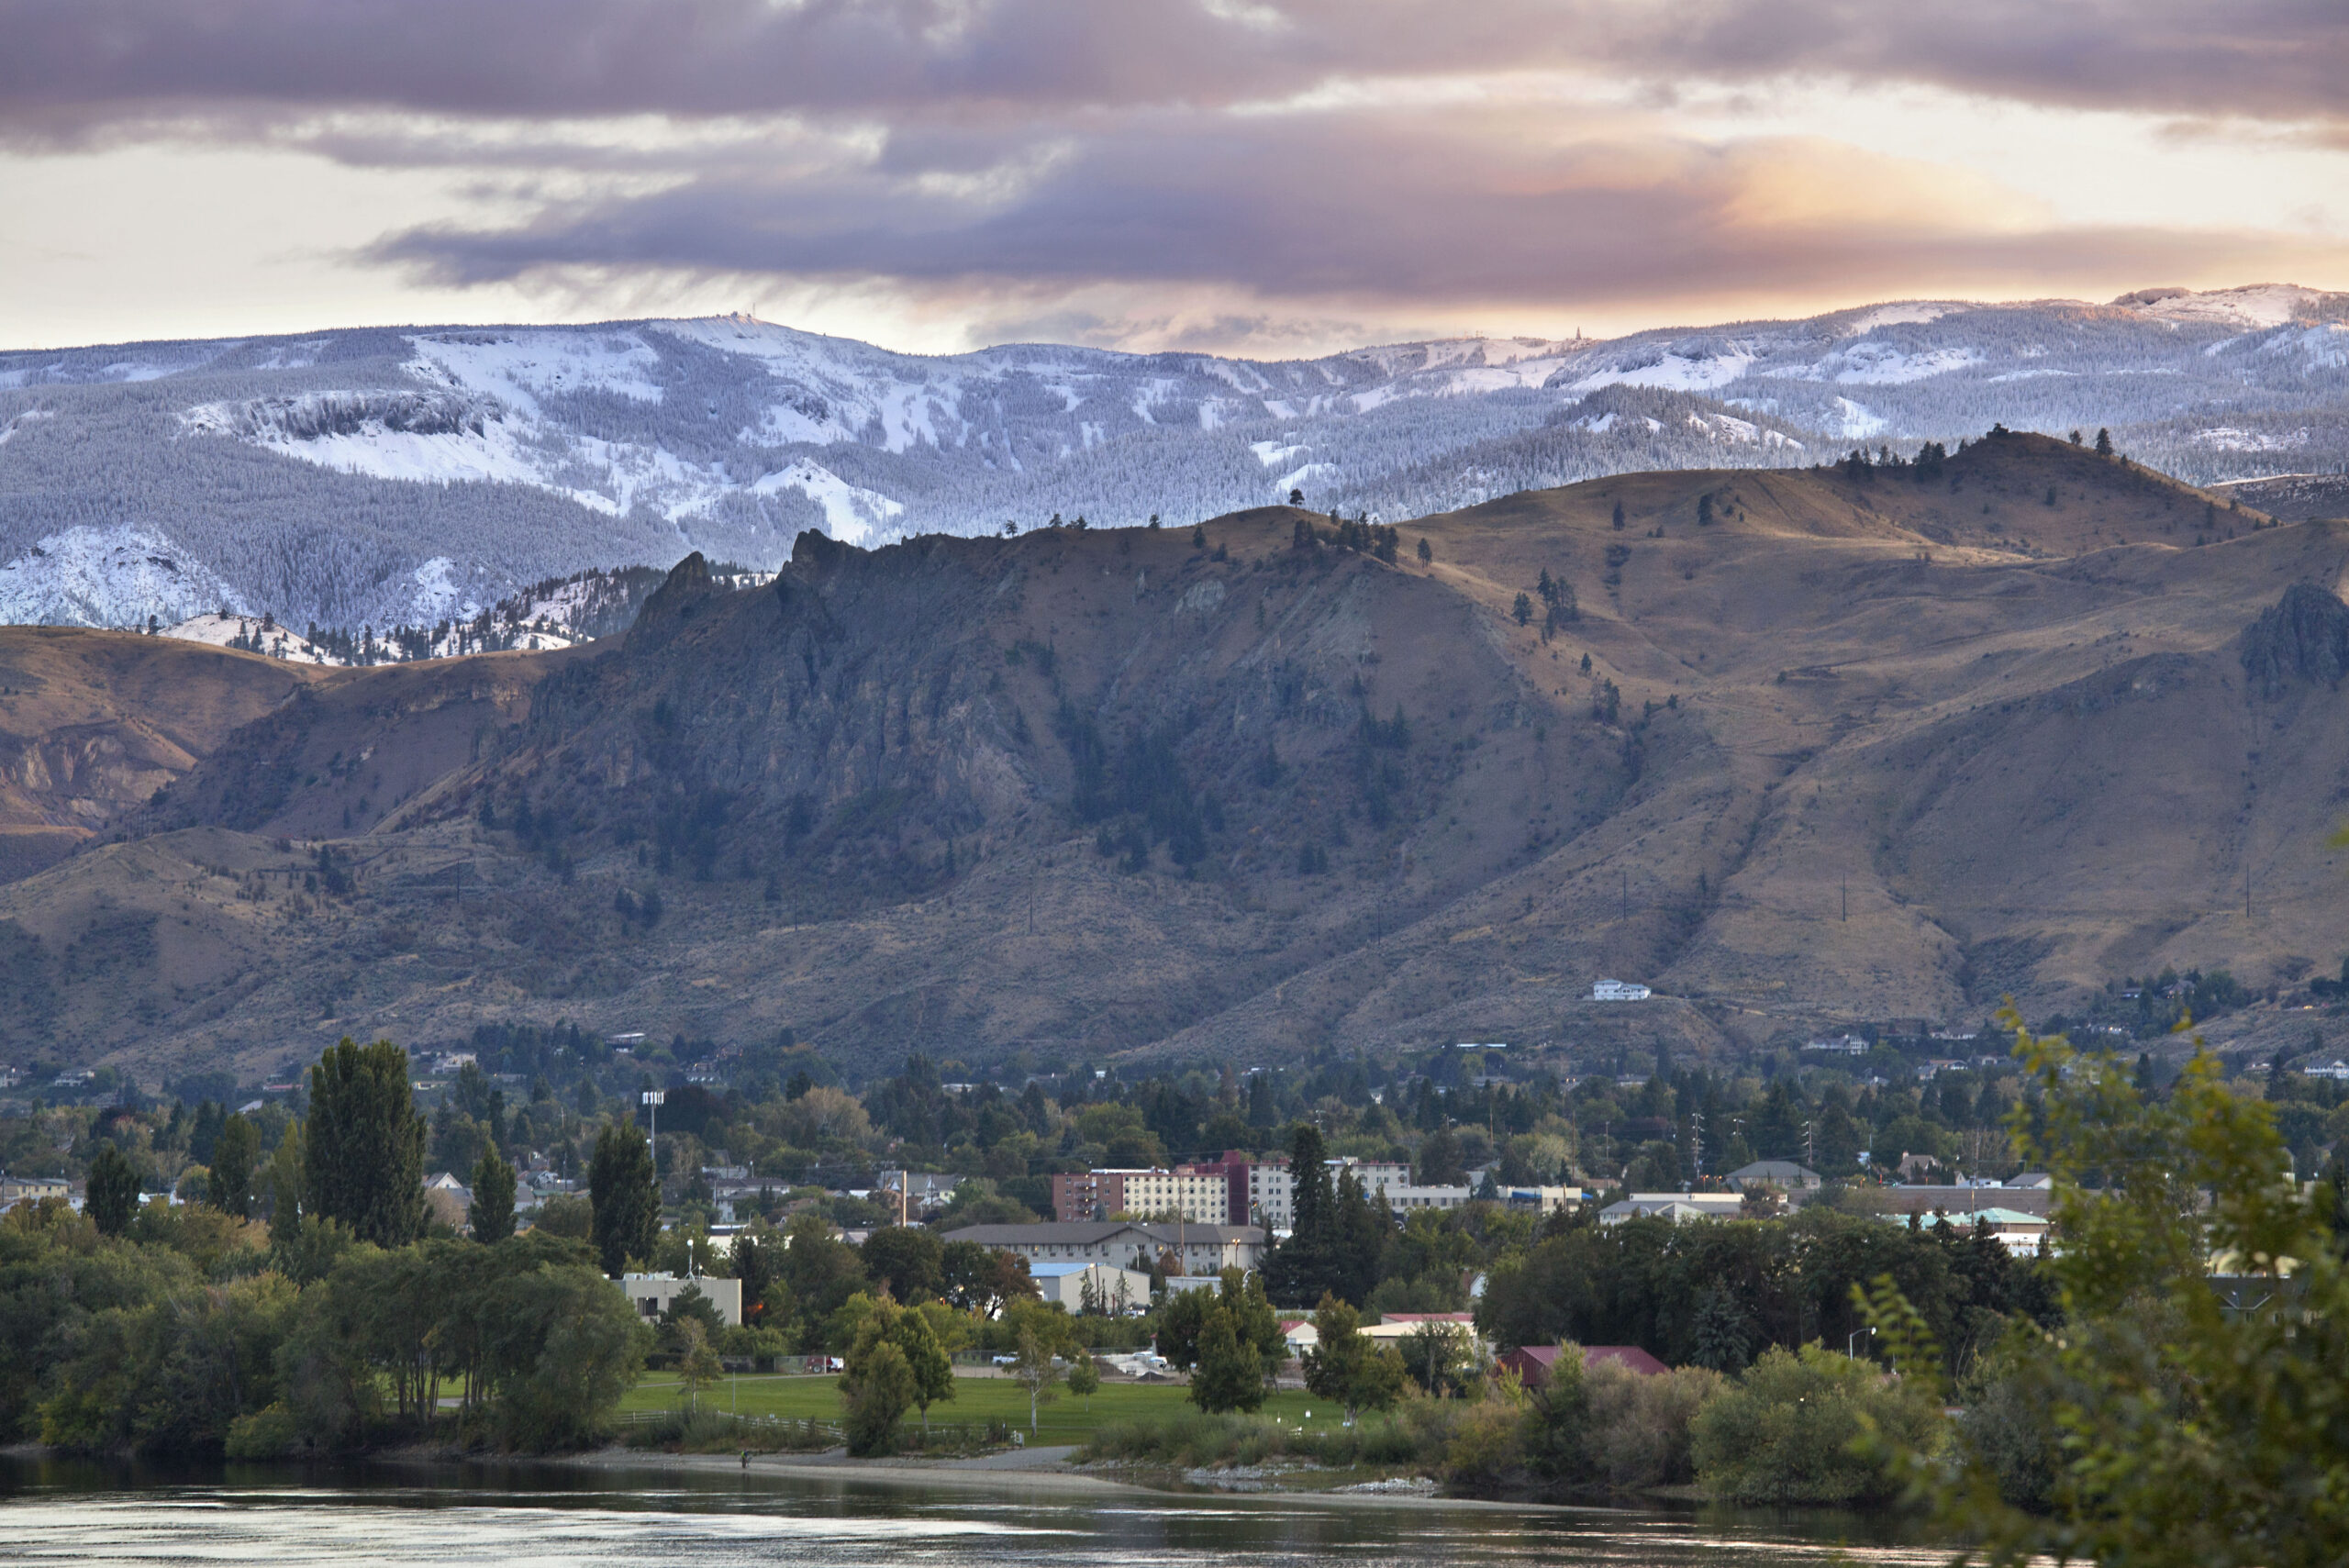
x,y
1775,1170
1426,1318
1629,1356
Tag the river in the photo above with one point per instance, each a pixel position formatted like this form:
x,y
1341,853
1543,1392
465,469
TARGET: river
x,y
547,1516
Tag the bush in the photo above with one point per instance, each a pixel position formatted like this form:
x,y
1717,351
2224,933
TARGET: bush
x,y
270,1433
1787,1431
1639,1426
713,1431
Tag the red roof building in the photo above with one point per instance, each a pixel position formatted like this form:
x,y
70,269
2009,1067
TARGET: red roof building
x,y
1532,1362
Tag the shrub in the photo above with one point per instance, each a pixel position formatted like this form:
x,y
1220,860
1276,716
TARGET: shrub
x,y
1638,1427
1787,1432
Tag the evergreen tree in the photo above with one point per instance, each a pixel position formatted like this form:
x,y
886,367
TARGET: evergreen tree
x,y
1522,610
2104,443
235,1151
1426,553
113,1199
1304,1267
1619,513
626,1194
492,1214
365,1152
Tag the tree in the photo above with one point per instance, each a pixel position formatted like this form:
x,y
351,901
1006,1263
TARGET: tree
x,y
1787,1432
1440,1359
697,1364
1522,612
1426,554
235,1151
1084,1381
1230,1375
1033,1371
1306,1265
2195,1403
1347,1365
113,1200
1297,498
365,1152
907,1258
626,1196
2104,443
930,1369
492,1216
879,1389
1619,513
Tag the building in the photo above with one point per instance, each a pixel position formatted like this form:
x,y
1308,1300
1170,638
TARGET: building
x,y
1675,1206
1111,1290
1200,1195
449,1199
1783,1175
1395,1326
32,1189
1541,1200
652,1293
2335,1068
1839,1045
1533,1363
1962,1202
1300,1335
1125,1243
1402,1199
1619,990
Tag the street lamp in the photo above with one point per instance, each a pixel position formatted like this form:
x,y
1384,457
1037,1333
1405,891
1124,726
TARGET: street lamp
x,y
1851,1350
653,1099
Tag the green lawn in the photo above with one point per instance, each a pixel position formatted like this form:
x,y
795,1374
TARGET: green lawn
x,y
1065,1420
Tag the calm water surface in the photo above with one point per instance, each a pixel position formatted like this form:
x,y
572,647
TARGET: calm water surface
x,y
549,1517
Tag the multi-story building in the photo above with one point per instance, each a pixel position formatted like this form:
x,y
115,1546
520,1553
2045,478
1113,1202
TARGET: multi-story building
x,y
1200,1195
1198,1250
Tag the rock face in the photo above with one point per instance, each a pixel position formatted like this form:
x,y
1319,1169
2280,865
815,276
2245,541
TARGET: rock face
x,y
1870,743
2303,638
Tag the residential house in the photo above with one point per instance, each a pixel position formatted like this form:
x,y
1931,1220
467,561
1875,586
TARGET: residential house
x,y
1619,990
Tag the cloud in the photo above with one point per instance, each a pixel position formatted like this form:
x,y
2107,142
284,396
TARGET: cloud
x,y
1495,208
72,66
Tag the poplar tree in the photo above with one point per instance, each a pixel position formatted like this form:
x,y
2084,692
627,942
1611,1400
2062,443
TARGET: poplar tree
x,y
235,1151
492,1216
627,1197
365,1143
113,1198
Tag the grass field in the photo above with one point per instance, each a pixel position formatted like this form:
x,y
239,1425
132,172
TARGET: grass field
x,y
1065,1420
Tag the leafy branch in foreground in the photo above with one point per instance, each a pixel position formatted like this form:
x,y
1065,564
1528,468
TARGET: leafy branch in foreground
x,y
2194,1407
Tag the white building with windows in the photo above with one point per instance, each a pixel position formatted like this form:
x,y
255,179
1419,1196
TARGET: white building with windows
x,y
1619,990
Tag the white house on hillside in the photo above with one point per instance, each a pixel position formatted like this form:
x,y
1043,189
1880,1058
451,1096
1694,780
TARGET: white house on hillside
x,y
1619,990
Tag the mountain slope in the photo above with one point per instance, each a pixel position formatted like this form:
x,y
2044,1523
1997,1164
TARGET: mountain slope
x,y
406,477
1873,742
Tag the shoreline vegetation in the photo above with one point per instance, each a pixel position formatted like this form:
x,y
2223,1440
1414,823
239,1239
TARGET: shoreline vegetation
x,y
2168,1385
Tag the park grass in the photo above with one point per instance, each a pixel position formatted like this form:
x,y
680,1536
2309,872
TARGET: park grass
x,y
817,1397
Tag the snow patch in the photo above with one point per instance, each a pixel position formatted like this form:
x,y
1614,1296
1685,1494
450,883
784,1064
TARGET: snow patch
x,y
116,576
1854,420
852,514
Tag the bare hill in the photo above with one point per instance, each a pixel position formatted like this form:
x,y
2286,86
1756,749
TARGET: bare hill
x,y
1852,744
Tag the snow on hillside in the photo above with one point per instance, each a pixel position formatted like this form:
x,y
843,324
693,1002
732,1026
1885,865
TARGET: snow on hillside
x,y
436,470
118,576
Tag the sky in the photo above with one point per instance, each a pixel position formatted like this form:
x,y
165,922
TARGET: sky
x,y
1262,177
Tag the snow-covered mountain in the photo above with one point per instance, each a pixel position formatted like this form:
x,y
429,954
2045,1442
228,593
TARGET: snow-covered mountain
x,y
378,477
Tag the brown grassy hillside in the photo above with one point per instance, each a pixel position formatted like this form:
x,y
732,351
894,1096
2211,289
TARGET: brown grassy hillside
x,y
1097,793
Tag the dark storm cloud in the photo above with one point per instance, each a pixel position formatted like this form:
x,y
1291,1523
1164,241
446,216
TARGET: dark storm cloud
x,y
1366,204
69,66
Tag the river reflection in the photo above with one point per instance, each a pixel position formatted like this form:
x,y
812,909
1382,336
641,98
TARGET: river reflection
x,y
555,1517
